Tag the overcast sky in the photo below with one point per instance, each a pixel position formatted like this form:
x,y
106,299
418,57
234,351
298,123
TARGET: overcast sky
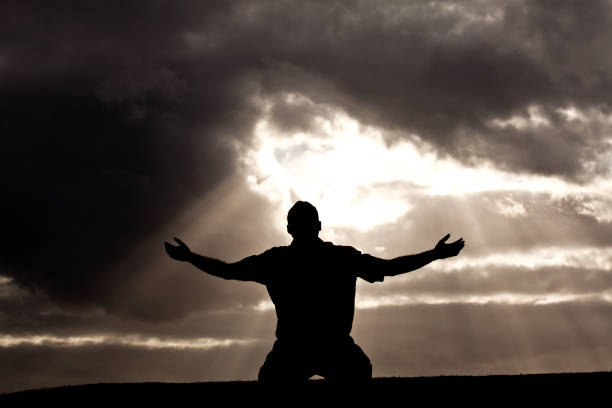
x,y
124,124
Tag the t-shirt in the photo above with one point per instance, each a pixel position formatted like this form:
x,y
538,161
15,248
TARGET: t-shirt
x,y
313,287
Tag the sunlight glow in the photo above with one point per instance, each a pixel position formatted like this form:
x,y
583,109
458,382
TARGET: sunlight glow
x,y
592,258
509,207
264,306
347,175
7,340
373,302
357,179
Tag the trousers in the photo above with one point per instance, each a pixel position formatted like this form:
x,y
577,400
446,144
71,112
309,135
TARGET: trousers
x,y
336,359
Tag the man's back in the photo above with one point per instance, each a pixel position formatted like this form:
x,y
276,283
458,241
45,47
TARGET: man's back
x,y
313,288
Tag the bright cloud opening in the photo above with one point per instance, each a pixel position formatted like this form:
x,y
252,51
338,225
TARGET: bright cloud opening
x,y
357,179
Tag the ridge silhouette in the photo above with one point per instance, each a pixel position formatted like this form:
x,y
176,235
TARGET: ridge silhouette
x,y
312,285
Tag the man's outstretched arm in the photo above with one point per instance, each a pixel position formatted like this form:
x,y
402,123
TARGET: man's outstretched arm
x,y
238,270
403,264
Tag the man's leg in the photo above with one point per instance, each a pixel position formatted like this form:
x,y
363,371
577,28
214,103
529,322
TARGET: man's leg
x,y
285,364
347,362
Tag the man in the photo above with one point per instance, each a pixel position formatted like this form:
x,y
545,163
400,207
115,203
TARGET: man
x,y
312,285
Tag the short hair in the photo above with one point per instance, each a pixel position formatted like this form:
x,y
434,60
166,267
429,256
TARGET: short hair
x,y
302,211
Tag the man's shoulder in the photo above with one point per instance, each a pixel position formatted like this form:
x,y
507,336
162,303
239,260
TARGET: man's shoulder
x,y
365,265
274,251
342,249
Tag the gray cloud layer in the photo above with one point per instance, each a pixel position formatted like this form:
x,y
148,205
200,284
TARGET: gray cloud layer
x,y
412,341
116,116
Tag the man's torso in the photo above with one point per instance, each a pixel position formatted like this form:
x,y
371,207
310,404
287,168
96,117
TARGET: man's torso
x,y
313,290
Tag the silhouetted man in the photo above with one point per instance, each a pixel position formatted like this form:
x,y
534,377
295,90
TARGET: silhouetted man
x,y
312,285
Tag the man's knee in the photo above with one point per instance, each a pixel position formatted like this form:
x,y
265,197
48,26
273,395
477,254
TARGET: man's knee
x,y
350,364
361,367
266,374
271,369
284,365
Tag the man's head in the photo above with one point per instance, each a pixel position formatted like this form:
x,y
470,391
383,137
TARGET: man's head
x,y
303,221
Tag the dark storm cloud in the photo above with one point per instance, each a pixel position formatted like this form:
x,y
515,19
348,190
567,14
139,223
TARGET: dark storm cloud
x,y
116,116
109,130
25,315
443,71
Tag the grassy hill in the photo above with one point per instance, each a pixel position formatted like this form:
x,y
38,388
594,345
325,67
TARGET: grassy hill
x,y
585,388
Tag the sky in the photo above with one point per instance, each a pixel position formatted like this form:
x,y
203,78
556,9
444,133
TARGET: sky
x,y
125,124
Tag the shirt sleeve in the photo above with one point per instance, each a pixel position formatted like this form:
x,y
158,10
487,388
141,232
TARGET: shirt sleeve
x,y
254,268
366,266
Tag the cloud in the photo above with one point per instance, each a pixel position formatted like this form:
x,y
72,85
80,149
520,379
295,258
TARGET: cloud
x,y
24,314
557,223
408,341
444,73
21,366
124,124
133,341
472,339
111,130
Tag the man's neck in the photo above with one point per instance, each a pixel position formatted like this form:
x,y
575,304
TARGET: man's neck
x,y
306,242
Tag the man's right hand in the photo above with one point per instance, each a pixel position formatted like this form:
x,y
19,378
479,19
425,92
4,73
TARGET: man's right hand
x,y
444,250
180,252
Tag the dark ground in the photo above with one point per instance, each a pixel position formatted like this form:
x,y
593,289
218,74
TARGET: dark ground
x,y
586,389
